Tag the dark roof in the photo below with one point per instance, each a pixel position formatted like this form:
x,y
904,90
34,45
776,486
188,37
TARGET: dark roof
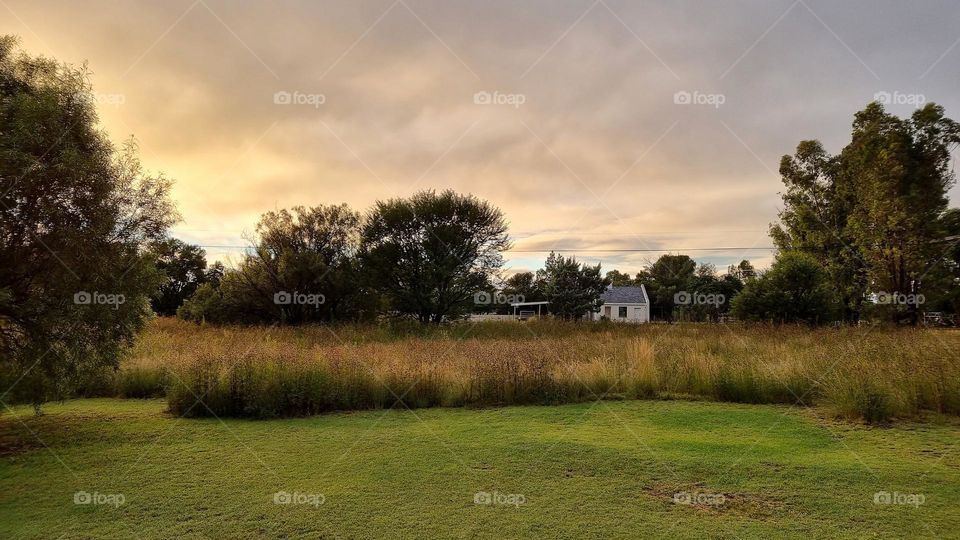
x,y
623,295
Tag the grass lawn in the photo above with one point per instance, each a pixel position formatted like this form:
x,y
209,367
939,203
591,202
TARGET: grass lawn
x,y
602,470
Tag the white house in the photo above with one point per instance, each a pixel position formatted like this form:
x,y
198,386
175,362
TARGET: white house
x,y
624,304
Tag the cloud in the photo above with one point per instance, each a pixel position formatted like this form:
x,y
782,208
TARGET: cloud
x,y
597,156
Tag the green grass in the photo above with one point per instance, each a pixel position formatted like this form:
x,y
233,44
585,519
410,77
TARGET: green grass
x,y
600,470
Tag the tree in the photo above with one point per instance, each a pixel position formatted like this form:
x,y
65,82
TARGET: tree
x,y
184,269
618,279
76,218
430,253
901,173
670,275
573,289
520,287
303,268
795,289
707,297
742,271
870,214
818,204
214,274
942,280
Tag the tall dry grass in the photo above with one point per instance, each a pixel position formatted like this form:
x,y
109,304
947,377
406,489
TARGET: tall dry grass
x,y
873,374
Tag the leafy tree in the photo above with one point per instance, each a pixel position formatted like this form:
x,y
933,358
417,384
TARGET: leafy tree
x,y
901,173
523,284
302,269
942,281
795,289
573,289
76,218
870,214
818,203
669,275
183,266
214,274
204,305
709,296
430,253
742,271
618,279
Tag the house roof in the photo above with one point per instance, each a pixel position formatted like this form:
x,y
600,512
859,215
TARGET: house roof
x,y
624,295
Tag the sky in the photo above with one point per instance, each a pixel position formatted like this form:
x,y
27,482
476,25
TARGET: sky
x,y
595,125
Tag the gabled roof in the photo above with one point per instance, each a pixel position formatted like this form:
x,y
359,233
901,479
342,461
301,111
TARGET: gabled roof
x,y
624,295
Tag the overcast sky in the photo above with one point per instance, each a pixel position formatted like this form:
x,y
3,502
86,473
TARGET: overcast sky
x,y
583,143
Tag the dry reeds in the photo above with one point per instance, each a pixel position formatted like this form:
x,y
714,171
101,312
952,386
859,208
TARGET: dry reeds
x,y
268,372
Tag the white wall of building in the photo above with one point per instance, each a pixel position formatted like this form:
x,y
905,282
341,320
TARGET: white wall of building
x,y
636,313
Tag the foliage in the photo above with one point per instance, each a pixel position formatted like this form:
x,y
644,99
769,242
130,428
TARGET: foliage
x,y
184,269
870,215
76,217
302,269
428,254
573,289
795,289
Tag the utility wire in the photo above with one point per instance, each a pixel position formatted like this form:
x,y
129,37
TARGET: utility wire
x,y
630,250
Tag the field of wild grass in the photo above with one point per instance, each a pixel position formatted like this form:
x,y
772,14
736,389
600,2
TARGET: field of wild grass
x,y
873,374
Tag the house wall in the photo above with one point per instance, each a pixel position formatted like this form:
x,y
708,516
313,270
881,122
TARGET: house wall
x,y
637,313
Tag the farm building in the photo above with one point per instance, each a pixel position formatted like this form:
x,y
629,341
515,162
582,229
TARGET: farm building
x,y
625,304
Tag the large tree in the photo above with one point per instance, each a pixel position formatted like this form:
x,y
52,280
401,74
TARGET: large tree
x,y
900,170
428,254
76,218
870,215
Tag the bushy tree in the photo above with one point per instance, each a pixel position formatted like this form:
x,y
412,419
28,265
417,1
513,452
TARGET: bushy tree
x,y
669,275
303,268
184,269
870,214
76,218
795,289
742,271
428,254
573,289
941,283
618,279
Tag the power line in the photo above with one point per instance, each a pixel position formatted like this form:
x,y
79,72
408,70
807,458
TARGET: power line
x,y
627,250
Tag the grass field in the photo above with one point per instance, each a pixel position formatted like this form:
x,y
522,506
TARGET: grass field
x,y
872,374
607,469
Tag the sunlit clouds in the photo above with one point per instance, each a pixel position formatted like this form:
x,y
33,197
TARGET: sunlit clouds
x,y
597,156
